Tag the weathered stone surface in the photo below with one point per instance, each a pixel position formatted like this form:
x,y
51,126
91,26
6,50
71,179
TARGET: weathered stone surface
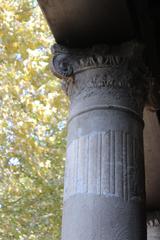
x,y
153,225
153,233
104,193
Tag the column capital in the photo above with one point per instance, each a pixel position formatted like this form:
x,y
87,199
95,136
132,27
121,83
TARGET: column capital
x,y
118,61
153,219
67,62
103,69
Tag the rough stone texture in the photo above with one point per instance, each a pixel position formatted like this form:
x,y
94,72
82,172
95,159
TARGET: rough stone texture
x,y
153,225
104,193
153,233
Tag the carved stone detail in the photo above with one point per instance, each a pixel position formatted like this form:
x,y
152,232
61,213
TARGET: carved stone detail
x,y
68,62
122,67
105,163
153,219
153,225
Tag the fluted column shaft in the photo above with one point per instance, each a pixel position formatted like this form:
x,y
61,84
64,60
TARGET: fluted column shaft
x,y
104,191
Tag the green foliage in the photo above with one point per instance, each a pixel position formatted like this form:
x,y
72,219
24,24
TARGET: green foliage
x,y
33,112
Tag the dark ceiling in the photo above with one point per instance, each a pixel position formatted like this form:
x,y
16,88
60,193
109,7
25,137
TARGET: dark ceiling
x,y
82,23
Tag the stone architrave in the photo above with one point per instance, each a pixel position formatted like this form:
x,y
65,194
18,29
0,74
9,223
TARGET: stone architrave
x,y
104,189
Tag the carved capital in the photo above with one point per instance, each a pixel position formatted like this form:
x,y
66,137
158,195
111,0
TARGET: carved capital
x,y
68,62
153,218
122,67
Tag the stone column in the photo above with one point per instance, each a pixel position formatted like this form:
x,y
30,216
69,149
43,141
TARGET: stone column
x,y
104,192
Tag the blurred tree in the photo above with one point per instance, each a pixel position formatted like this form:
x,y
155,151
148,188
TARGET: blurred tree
x,y
33,113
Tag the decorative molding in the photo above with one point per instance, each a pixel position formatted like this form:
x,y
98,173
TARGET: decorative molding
x,y
122,67
68,62
107,107
105,163
117,83
153,218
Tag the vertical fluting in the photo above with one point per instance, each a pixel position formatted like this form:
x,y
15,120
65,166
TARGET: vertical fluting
x,y
104,163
